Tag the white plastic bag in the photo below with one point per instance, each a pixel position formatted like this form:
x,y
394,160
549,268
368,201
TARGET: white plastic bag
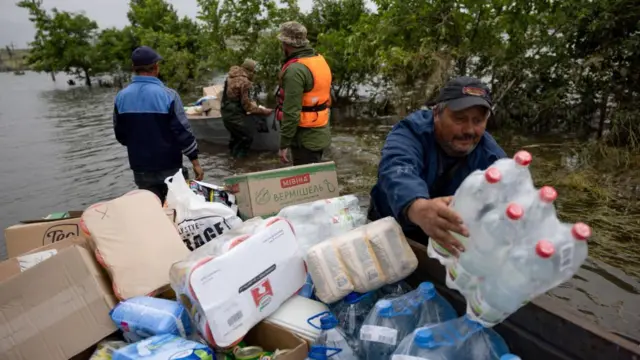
x,y
198,221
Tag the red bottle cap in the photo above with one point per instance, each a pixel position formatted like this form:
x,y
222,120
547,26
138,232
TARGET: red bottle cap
x,y
581,231
492,175
545,249
523,158
548,194
514,211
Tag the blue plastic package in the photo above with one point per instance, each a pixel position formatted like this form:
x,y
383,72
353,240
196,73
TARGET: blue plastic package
x,y
165,347
143,316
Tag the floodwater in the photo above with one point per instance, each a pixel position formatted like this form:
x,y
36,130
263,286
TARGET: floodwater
x,y
58,152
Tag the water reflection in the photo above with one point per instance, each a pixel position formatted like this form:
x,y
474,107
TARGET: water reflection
x,y
58,152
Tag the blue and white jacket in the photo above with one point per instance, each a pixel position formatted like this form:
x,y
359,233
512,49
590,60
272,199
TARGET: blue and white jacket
x,y
149,119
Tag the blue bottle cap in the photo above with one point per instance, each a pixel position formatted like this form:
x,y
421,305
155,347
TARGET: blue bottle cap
x,y
328,322
317,352
423,338
427,290
384,308
510,357
352,298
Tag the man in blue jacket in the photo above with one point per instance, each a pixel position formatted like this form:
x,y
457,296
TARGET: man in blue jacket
x,y
149,119
427,156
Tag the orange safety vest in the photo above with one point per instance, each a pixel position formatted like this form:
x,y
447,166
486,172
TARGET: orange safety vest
x,y
316,102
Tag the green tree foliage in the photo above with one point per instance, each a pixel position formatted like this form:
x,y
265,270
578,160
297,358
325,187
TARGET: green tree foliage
x,y
567,66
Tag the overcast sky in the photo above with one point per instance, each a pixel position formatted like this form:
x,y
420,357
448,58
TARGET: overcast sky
x,y
15,25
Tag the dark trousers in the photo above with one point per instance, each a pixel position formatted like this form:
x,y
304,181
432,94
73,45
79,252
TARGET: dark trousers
x,y
154,181
240,140
303,156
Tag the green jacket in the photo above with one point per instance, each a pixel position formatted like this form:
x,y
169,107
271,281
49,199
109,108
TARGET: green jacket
x,y
296,80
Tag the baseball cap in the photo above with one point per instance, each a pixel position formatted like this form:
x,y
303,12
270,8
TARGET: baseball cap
x,y
464,92
144,55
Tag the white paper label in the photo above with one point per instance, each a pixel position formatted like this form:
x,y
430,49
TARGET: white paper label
x,y
31,260
566,257
379,334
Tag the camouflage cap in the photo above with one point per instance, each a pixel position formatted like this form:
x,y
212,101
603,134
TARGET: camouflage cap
x,y
293,34
249,65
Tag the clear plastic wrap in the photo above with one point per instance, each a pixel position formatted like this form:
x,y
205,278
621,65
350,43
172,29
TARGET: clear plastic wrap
x,y
459,339
143,316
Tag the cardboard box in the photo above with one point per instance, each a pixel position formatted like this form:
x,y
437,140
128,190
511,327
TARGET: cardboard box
x,y
56,309
273,337
32,234
11,267
265,193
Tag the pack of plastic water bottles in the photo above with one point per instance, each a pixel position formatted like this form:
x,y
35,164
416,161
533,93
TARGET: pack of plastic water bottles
x,y
395,323
517,248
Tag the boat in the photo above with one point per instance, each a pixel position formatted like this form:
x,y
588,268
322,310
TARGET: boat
x,y
18,72
266,137
544,329
207,125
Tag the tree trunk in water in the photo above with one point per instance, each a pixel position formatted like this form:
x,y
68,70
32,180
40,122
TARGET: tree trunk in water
x,y
87,78
53,76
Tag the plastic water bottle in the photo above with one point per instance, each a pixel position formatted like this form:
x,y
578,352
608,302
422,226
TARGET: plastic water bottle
x,y
473,195
430,307
333,338
540,208
501,294
321,352
570,242
510,357
351,315
385,326
458,339
515,174
492,239
394,290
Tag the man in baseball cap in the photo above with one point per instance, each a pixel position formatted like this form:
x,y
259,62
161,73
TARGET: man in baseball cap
x,y
149,119
303,98
426,157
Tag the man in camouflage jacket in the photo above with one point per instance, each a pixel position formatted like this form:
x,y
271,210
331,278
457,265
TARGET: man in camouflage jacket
x,y
236,104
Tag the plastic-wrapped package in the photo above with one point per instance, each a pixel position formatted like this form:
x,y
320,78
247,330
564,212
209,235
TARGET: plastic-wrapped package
x,y
392,249
430,307
459,339
164,347
385,326
229,294
142,317
135,242
328,273
360,260
320,220
106,348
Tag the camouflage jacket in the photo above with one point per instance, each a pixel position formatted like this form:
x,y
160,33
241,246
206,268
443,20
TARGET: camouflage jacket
x,y
238,87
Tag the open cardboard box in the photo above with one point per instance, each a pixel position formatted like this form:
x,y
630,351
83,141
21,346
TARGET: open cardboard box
x,y
56,309
32,234
273,337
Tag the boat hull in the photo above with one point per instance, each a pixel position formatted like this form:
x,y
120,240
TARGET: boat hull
x,y
212,130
